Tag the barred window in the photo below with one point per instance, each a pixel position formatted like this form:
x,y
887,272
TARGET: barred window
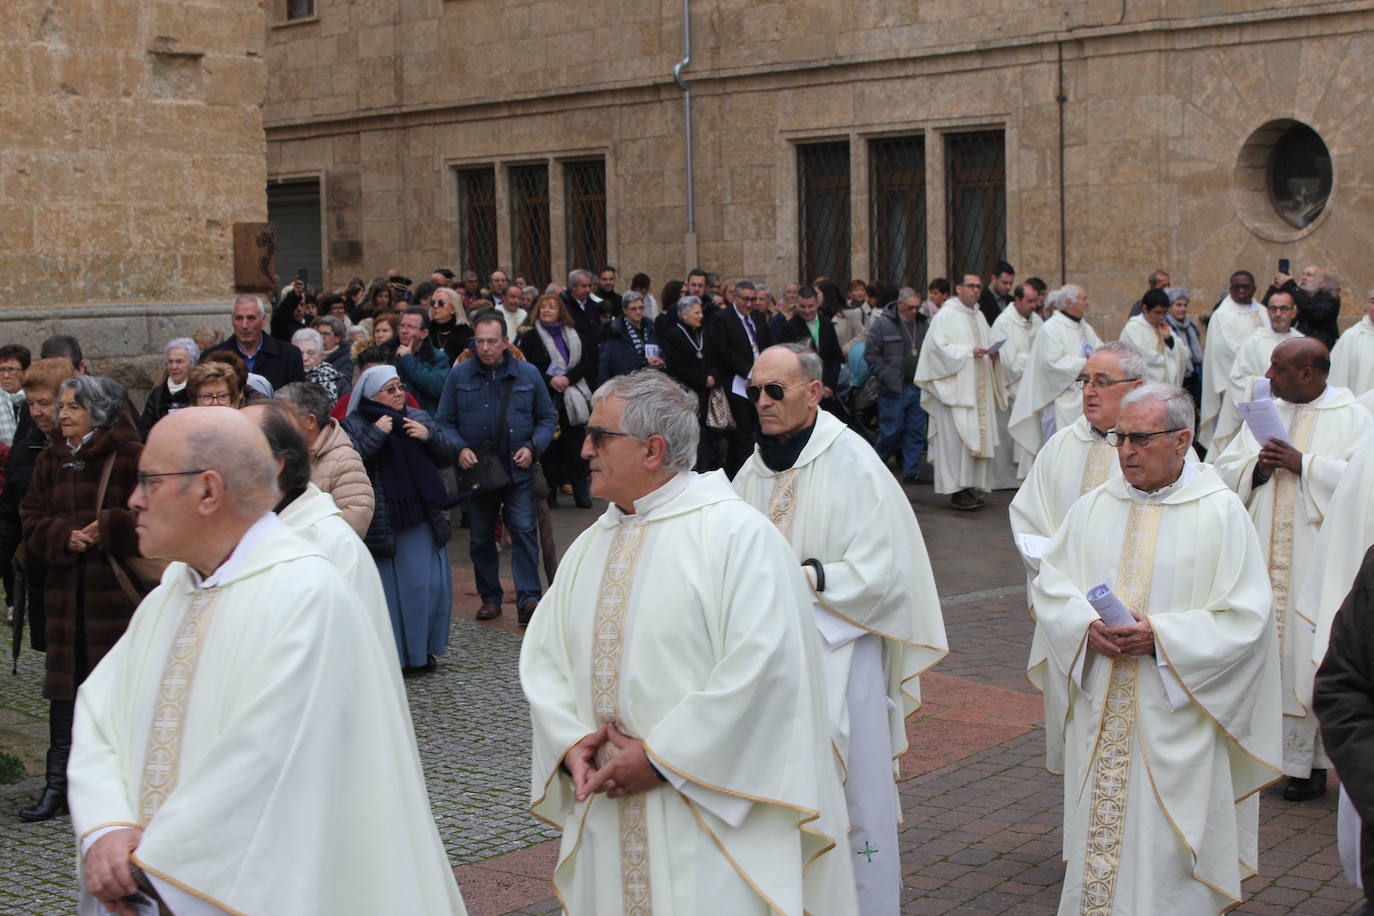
x,y
529,217
897,211
976,179
477,219
823,205
585,186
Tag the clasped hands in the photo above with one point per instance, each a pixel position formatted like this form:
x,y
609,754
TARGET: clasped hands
x,y
628,771
83,539
1275,454
980,352
1115,642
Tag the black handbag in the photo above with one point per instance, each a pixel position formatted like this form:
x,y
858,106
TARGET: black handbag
x,y
489,474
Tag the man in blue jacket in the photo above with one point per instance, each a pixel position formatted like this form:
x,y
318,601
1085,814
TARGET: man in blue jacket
x,y
469,417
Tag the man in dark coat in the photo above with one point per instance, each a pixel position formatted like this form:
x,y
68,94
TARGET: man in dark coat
x,y
1318,308
997,291
1343,699
735,336
808,327
275,361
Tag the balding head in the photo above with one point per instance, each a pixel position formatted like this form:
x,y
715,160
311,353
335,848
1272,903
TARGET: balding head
x,y
1298,369
209,476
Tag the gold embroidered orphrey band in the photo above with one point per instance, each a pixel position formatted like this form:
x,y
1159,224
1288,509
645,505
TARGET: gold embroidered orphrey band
x,y
782,503
1111,765
1285,495
1100,456
163,757
980,375
617,581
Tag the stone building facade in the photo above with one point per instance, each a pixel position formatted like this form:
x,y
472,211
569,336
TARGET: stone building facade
x,y
1086,141
131,141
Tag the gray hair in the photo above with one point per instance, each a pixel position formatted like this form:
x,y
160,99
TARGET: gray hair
x,y
104,398
311,335
1179,412
685,303
1054,300
579,274
182,343
905,293
807,359
531,291
249,297
1069,292
1176,293
1332,285
655,405
309,398
335,323
743,284
1131,360
629,297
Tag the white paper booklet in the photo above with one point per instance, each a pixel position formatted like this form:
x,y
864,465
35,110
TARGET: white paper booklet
x,y
1115,614
1264,421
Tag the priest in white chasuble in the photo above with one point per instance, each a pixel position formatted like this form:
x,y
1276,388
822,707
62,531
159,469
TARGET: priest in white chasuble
x,y
247,746
1251,365
1017,325
1171,723
856,540
1075,461
1236,318
1287,487
961,389
1047,400
681,739
1352,358
1166,356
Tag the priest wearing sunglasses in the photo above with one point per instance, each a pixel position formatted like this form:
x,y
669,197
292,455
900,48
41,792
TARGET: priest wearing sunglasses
x,y
873,597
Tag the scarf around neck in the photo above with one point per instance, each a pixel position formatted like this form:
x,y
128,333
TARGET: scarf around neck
x,y
407,474
780,455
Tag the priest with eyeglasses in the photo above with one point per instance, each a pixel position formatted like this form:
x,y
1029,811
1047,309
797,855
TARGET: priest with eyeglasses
x,y
1168,713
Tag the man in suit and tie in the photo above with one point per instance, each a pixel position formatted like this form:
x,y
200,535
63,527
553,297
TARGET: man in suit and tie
x,y
808,327
735,336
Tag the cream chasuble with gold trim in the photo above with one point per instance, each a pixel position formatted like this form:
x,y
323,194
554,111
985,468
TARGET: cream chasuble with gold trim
x,y
1013,462
1160,805
1056,357
1227,329
1288,511
688,624
1352,358
1250,364
1164,363
962,394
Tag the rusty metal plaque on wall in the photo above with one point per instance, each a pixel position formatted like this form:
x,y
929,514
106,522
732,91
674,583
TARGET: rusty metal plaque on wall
x,y
255,257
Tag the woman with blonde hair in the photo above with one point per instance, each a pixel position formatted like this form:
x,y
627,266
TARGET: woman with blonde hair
x,y
552,342
215,384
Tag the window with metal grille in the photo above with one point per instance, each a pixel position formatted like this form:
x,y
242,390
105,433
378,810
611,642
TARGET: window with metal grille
x,y
529,218
823,207
477,219
897,211
976,198
585,187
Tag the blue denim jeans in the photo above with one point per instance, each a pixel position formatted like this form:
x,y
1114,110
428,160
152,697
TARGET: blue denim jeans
x,y
902,425
483,510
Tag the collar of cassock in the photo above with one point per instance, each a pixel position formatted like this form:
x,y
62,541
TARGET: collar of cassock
x,y
654,499
1188,473
780,455
256,532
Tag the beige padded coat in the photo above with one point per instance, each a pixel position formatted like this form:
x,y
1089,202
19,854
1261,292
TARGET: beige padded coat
x,y
337,470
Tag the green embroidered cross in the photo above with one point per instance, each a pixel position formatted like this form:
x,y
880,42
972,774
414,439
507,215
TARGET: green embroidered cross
x,y
867,851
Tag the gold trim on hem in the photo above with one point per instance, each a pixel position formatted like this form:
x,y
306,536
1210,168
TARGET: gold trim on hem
x,y
185,887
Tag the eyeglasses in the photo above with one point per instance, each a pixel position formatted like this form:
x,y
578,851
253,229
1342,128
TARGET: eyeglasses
x,y
598,435
9,370
1139,440
210,398
393,387
774,391
1100,381
145,479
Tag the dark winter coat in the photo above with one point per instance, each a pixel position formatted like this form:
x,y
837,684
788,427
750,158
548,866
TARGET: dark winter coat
x,y
160,402
368,440
29,443
618,353
87,610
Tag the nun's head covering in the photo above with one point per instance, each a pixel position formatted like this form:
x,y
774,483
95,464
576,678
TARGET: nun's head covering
x,y
260,384
369,383
1176,293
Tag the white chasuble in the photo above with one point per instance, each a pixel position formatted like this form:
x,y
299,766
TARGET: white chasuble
x,y
1250,364
878,617
1287,511
1056,358
1227,329
1352,358
258,732
962,394
1013,461
1163,363
688,625
1161,804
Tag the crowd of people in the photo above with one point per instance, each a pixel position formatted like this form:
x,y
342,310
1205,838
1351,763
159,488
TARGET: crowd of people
x,y
357,428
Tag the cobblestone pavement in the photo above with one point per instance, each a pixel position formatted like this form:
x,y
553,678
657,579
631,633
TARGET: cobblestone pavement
x,y
982,815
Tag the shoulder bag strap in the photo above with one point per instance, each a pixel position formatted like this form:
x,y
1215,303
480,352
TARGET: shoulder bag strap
x,y
120,575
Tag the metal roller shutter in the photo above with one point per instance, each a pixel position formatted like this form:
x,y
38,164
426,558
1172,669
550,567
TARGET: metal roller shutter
x,y
294,208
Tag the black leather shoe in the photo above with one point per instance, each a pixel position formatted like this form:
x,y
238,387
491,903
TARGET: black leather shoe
x,y
526,612
582,502
50,804
490,610
1314,786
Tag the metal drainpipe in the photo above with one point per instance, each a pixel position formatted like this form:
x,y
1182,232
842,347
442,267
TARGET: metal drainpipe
x,y
1060,99
687,110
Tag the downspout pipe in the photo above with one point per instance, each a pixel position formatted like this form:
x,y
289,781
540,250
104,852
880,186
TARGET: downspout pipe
x,y
687,112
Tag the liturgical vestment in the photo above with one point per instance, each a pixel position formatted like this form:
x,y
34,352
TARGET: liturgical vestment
x,y
1250,365
1227,329
878,616
1287,511
1352,358
1165,362
1013,462
1047,399
1161,805
255,726
688,624
962,394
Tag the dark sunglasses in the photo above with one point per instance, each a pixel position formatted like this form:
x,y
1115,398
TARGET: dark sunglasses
x,y
774,391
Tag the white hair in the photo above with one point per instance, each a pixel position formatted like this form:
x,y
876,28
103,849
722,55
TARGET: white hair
x,y
1070,292
580,274
655,405
311,335
1131,360
810,363
257,302
1179,412
182,343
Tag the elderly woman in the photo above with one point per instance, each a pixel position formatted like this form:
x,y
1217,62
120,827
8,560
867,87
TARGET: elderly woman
x,y
76,519
336,349
311,345
685,360
215,384
178,356
628,341
410,529
553,343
